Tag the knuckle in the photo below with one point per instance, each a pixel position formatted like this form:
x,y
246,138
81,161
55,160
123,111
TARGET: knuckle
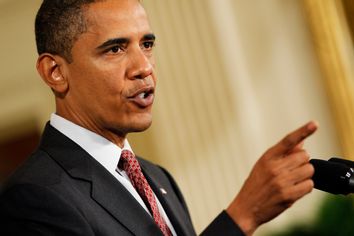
x,y
306,187
310,169
288,141
267,155
307,171
302,156
284,196
305,156
309,185
290,198
277,186
273,172
291,195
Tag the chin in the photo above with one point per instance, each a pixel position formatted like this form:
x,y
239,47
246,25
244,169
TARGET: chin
x,y
141,123
139,129
142,126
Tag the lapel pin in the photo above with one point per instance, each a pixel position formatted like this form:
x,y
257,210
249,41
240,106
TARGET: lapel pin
x,y
163,191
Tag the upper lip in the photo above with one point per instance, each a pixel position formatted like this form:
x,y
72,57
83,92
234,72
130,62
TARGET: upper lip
x,y
147,89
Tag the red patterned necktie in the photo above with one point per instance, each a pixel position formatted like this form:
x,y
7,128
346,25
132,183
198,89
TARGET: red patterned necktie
x,y
131,166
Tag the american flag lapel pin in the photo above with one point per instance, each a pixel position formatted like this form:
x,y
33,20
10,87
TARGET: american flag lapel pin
x,y
163,191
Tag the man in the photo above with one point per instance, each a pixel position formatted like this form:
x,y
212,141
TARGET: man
x,y
97,57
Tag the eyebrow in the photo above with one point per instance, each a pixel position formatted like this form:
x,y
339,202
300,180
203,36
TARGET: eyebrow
x,y
115,41
150,37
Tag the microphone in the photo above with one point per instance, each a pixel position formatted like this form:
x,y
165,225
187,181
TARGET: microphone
x,y
333,177
343,161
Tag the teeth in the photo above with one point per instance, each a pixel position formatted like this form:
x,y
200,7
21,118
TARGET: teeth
x,y
142,95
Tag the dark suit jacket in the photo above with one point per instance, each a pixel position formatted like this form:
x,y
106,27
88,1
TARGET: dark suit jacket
x,y
62,190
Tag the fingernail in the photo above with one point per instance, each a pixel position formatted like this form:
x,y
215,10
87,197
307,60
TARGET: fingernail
x,y
312,126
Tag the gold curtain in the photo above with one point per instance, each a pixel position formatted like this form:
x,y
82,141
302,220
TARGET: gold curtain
x,y
334,47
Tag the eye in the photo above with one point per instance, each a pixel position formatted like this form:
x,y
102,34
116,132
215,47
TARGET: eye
x,y
115,49
148,44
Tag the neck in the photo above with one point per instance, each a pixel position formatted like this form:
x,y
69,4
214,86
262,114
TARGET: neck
x,y
114,137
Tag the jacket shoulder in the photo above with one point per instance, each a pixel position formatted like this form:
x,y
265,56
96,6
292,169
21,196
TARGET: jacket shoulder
x,y
39,169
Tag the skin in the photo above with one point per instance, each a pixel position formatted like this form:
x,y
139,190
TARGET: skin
x,y
278,179
113,62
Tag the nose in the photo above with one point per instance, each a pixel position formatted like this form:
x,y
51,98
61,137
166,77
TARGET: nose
x,y
140,65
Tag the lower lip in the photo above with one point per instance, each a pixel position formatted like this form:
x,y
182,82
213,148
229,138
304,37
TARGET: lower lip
x,y
143,102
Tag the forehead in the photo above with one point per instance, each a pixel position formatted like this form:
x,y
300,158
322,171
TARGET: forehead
x,y
112,18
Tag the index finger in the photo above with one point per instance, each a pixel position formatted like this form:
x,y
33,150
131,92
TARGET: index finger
x,y
292,140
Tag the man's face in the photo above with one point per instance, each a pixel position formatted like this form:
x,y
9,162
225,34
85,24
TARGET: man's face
x,y
111,78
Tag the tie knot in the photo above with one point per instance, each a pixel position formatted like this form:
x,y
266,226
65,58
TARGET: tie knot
x,y
127,159
126,155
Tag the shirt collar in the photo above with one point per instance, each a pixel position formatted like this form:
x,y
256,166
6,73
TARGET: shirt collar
x,y
100,148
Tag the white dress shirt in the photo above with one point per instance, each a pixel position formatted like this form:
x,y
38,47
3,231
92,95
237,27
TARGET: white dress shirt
x,y
106,153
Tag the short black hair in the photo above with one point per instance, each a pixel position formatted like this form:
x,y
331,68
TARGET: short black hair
x,y
58,25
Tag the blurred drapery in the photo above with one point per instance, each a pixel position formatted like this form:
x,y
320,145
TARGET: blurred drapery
x,y
334,47
234,77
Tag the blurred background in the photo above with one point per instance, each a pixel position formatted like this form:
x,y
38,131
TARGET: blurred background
x,y
235,76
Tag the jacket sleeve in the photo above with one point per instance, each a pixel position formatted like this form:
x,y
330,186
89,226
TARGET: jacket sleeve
x,y
223,225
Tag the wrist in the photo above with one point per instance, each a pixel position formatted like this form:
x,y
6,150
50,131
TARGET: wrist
x,y
242,218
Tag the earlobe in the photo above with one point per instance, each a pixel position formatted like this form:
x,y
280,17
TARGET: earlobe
x,y
49,68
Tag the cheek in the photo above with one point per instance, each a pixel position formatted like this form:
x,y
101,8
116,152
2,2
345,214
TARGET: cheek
x,y
154,76
111,84
99,79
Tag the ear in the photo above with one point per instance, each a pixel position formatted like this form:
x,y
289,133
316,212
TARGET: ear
x,y
49,68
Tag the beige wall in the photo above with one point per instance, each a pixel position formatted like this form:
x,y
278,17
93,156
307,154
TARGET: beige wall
x,y
234,77
23,97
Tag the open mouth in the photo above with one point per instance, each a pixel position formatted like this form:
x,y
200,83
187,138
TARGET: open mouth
x,y
145,94
143,97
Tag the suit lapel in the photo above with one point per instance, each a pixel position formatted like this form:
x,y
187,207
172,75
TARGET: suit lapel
x,y
114,197
106,190
169,202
